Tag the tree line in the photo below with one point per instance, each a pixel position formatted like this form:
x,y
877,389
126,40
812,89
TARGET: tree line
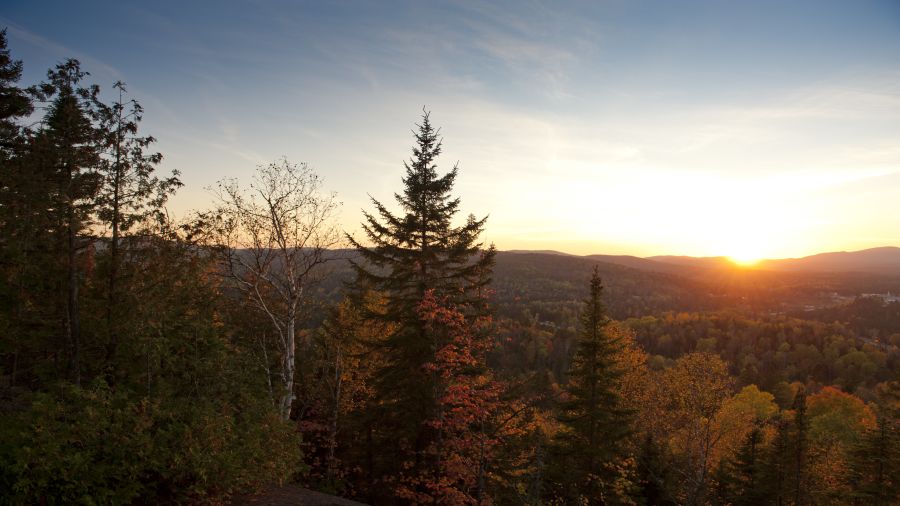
x,y
153,360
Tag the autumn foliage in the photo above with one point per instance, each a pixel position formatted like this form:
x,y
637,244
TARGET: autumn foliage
x,y
148,361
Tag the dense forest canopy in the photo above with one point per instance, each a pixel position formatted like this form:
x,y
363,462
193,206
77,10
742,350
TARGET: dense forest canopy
x,y
148,360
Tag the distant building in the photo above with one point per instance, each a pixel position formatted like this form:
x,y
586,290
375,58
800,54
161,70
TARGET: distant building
x,y
885,297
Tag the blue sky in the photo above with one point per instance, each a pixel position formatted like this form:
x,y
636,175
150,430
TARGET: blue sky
x,y
706,128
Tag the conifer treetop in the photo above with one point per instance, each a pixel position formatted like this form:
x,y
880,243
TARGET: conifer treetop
x,y
422,249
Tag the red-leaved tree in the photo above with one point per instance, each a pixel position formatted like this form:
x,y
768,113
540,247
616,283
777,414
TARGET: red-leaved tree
x,y
470,416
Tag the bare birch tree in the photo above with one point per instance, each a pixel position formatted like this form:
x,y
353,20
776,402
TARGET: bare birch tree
x,y
275,236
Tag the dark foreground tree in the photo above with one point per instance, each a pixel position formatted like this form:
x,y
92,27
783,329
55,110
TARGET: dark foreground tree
x,y
64,157
186,422
404,256
184,419
14,102
130,195
15,241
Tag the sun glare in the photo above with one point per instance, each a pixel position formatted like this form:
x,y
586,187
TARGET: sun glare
x,y
744,250
744,260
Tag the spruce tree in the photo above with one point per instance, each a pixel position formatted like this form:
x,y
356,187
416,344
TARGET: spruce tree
x,y
775,468
874,474
785,466
410,253
799,450
15,104
594,418
653,476
66,156
740,477
130,195
421,249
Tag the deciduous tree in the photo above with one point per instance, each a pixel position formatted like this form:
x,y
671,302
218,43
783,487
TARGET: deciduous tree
x,y
697,386
275,236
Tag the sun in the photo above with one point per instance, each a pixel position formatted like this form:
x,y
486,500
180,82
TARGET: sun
x,y
743,250
745,259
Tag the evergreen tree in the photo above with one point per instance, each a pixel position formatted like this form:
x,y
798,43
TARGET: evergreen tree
x,y
422,250
875,462
739,477
799,450
130,193
65,155
653,477
15,104
594,418
411,253
775,465
785,466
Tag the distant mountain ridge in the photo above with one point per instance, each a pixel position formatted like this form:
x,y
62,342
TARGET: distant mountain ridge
x,y
873,260
698,262
882,260
526,284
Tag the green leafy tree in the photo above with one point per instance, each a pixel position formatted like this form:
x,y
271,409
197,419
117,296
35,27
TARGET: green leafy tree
x,y
186,423
837,423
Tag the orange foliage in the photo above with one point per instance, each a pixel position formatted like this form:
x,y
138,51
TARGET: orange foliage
x,y
468,422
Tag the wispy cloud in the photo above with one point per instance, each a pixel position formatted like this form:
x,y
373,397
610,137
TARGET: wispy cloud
x,y
96,66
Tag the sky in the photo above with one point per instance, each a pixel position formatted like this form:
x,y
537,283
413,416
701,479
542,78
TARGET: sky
x,y
747,129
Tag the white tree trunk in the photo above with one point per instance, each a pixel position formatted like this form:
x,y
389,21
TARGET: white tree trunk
x,y
287,397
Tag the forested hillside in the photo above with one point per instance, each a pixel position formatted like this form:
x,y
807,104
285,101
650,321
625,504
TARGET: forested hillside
x,y
146,359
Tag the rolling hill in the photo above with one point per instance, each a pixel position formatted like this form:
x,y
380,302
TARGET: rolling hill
x,y
885,260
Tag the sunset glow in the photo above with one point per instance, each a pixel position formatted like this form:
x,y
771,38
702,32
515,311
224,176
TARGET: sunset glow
x,y
586,128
